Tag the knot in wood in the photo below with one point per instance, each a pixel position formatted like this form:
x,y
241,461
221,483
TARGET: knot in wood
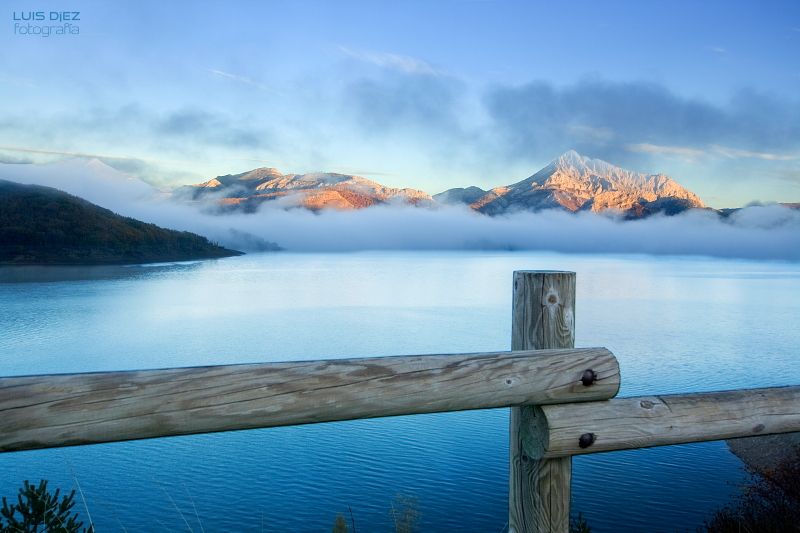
x,y
551,299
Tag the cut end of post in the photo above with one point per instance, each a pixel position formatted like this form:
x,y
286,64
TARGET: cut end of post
x,y
534,432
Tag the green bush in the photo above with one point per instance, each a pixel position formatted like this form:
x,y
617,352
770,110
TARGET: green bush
x,y
38,511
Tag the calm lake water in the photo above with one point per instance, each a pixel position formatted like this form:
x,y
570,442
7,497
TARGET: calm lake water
x,y
676,324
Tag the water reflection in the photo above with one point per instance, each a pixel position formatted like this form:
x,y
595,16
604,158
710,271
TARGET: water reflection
x,y
53,274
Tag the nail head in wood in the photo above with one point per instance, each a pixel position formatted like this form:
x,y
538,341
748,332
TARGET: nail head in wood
x,y
589,377
586,440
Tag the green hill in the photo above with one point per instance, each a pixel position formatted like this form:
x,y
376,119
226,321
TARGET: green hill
x,y
42,225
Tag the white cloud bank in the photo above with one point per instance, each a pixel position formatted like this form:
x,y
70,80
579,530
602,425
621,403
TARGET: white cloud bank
x,y
760,232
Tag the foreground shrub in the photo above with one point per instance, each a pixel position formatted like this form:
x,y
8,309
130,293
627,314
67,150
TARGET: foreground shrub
x,y
38,511
770,502
340,525
579,525
404,513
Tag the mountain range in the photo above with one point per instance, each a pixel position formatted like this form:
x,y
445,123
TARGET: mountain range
x,y
42,225
572,182
577,183
314,191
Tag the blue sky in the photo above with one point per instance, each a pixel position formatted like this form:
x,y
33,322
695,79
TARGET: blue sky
x,y
429,95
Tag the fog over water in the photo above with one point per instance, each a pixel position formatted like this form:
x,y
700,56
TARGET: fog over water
x,y
756,232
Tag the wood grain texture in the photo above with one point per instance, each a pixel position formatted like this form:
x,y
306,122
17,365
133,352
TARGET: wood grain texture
x,y
646,421
543,317
64,410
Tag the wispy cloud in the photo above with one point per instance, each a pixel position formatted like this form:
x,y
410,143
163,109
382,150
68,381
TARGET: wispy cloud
x,y
644,118
241,79
44,151
13,160
788,175
733,153
150,170
454,133
402,63
212,128
718,49
423,104
592,133
184,132
162,172
362,172
680,151
713,150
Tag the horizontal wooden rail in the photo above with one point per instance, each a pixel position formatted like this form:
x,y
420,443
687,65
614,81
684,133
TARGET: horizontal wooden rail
x,y
624,423
71,409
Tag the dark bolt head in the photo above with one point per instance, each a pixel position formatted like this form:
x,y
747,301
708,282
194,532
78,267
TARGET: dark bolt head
x,y
589,376
586,440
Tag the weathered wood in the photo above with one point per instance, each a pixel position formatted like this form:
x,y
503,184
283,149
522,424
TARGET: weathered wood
x,y
64,410
543,317
645,421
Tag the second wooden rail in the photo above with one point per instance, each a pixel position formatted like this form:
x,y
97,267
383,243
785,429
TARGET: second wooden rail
x,y
646,421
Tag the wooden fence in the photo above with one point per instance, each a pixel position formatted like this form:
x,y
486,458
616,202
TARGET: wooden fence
x,y
561,401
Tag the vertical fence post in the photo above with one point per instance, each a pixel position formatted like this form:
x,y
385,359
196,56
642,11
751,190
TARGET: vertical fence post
x,y
543,316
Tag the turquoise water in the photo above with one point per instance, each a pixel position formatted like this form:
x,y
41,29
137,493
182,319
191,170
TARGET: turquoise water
x,y
675,324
